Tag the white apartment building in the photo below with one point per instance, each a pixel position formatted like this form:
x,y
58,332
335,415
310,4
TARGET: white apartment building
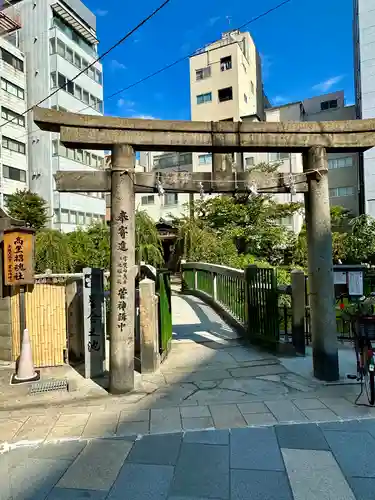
x,y
13,103
59,40
168,205
364,77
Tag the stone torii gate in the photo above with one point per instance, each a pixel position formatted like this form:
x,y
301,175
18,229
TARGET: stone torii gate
x,y
123,136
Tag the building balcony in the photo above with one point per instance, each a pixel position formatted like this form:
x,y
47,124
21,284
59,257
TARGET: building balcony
x,y
10,20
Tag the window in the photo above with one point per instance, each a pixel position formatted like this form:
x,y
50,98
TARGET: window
x,y
13,145
341,191
69,55
148,200
87,158
12,60
204,98
78,92
53,80
278,156
98,76
55,147
64,216
56,217
52,46
94,161
205,159
70,87
287,221
77,60
79,155
91,73
15,174
340,162
13,89
226,63
61,80
225,94
252,87
88,219
249,161
85,97
81,218
203,73
73,217
84,65
324,105
245,98
61,48
8,114
171,199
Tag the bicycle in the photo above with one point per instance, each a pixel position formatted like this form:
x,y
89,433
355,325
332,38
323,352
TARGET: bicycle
x,y
363,328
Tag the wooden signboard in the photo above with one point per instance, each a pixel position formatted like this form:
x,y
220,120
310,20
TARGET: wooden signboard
x,y
18,256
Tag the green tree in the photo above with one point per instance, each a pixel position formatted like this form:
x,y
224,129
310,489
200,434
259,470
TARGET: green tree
x,y
253,222
361,241
29,207
90,247
340,222
52,251
200,243
148,247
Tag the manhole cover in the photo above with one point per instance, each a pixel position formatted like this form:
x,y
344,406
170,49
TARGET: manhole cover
x,y
50,385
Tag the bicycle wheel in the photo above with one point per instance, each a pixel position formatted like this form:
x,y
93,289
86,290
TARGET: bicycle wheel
x,y
371,393
370,382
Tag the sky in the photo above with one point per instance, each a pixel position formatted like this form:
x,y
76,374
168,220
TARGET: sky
x,y
306,48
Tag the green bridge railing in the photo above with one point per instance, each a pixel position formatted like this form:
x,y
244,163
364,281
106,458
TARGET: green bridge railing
x,y
248,299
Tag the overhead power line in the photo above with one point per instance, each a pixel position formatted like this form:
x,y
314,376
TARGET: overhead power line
x,y
165,68
119,42
177,61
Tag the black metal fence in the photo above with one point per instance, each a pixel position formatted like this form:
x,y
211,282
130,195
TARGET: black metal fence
x,y
344,327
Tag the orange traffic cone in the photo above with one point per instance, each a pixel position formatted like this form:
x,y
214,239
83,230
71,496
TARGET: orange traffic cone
x,y
25,369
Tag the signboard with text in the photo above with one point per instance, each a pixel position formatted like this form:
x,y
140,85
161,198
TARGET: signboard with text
x,y
18,257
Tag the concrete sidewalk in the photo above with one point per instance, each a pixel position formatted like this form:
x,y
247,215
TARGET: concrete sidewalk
x,y
210,380
283,462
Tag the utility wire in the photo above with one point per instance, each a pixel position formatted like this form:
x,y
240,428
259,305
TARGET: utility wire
x,y
177,61
119,42
165,68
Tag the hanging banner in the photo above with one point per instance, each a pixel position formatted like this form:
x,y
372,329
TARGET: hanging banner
x,y
18,257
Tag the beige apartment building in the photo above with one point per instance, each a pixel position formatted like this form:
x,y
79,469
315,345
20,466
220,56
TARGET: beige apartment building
x,y
225,79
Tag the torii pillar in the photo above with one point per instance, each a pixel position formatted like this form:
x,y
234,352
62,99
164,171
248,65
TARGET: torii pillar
x,y
121,360
320,266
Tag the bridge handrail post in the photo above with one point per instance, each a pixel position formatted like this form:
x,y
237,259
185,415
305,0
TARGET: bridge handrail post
x,y
298,310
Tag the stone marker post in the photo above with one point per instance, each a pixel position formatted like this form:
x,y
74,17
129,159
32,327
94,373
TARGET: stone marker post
x,y
93,322
320,266
121,379
150,358
298,310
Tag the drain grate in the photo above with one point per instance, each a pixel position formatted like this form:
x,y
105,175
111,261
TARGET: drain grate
x,y
49,386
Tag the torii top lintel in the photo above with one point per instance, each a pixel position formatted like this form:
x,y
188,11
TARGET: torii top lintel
x,y
102,132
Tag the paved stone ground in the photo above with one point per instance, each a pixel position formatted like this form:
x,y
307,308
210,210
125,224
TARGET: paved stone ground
x,y
329,461
209,381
